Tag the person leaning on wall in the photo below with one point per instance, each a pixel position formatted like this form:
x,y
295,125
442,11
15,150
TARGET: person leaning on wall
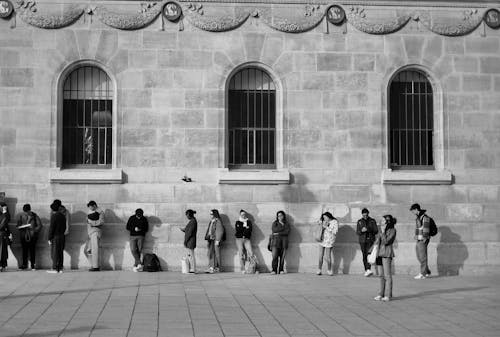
x,y
215,235
330,226
29,225
5,235
95,221
190,239
279,242
366,229
385,254
138,226
57,238
243,234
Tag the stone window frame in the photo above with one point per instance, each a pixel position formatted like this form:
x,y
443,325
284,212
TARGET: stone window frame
x,y
278,175
439,175
62,175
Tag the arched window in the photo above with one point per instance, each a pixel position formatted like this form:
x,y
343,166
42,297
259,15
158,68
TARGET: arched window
x,y
411,121
87,118
252,119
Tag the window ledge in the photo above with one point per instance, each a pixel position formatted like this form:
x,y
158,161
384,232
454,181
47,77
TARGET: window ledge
x,y
89,176
258,177
442,177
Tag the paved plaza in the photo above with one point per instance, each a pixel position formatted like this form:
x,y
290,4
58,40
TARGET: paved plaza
x,y
122,303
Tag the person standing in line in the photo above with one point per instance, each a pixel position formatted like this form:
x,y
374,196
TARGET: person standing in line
x,y
95,221
29,225
138,226
330,227
422,237
5,235
190,232
56,238
384,241
215,235
243,233
280,230
367,230
64,211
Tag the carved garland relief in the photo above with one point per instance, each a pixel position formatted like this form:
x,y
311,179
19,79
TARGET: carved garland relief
x,y
289,19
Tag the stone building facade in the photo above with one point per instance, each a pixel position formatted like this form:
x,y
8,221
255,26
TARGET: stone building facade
x,y
167,139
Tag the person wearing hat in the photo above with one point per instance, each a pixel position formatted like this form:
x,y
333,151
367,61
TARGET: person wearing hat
x,y
422,237
56,238
367,232
95,221
29,226
138,226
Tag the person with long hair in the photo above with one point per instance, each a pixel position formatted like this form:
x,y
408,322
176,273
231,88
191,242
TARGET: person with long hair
x,y
5,235
330,227
385,239
214,236
243,233
190,239
279,243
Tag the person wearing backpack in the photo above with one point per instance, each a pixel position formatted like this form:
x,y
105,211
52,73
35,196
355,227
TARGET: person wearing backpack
x,y
215,235
29,225
422,237
138,226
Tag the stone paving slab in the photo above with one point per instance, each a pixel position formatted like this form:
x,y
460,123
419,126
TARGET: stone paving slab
x,y
126,304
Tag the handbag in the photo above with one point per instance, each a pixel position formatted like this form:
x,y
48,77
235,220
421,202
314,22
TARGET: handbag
x,y
319,232
185,265
373,255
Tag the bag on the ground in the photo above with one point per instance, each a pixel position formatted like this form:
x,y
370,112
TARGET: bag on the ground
x,y
433,230
318,233
185,265
373,255
151,263
251,265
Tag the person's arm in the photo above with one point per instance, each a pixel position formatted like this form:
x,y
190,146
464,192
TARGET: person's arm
x,y
374,227
101,217
19,221
426,224
129,224
359,225
146,225
189,229
335,227
388,238
249,230
52,227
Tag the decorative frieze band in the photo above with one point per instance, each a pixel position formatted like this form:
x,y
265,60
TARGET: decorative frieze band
x,y
291,18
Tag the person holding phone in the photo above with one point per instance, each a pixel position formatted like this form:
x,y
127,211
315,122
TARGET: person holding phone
x,y
384,241
243,233
190,239
330,227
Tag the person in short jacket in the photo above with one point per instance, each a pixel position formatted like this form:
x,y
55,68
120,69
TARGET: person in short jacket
x,y
190,238
28,235
57,238
243,234
215,235
367,230
279,243
330,227
5,235
138,226
95,221
384,241
422,237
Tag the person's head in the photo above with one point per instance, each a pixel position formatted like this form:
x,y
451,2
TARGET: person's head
x,y
26,207
214,214
364,213
54,207
92,205
243,214
415,209
3,207
388,221
139,213
190,213
281,216
327,216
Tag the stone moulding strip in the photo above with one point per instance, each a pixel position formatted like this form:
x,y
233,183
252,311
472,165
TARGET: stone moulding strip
x,y
357,17
129,21
403,177
213,23
469,21
28,12
305,19
91,176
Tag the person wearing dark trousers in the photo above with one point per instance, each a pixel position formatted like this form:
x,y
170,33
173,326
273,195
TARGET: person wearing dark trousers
x,y
138,226
367,230
280,230
29,225
190,232
56,238
243,234
215,235
5,235
422,237
384,241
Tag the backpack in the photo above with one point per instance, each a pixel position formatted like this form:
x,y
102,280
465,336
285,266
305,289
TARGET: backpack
x,y
433,230
251,265
151,263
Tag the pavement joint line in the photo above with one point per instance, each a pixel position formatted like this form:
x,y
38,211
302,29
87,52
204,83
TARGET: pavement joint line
x,y
43,312
298,311
271,314
133,308
189,311
246,313
215,313
101,311
75,312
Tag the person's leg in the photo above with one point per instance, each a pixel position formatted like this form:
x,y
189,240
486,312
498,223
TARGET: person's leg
x,y
427,271
53,253
239,246
25,250
328,258
282,259
32,251
140,244
217,263
382,279
387,264
364,253
248,247
321,252
133,250
62,241
94,246
418,250
211,253
274,263
192,260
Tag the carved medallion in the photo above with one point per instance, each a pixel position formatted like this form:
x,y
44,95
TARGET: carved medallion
x,y
172,11
6,9
335,14
492,18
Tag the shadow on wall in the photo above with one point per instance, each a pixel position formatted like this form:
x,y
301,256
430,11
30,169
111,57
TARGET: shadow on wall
x,y
75,238
293,253
151,241
451,252
257,237
344,250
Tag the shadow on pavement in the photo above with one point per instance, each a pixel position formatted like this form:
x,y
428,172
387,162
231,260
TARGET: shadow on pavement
x,y
437,292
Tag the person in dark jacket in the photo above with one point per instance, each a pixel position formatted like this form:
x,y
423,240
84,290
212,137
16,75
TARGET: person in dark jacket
x,y
29,225
243,233
56,238
279,243
190,239
5,235
384,241
367,231
138,226
422,237
215,235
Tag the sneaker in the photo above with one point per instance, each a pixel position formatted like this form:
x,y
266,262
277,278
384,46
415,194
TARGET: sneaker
x,y
52,271
368,273
318,272
209,270
192,272
135,269
273,273
282,272
60,271
377,298
419,277
428,274
386,299
216,270
330,272
243,272
95,269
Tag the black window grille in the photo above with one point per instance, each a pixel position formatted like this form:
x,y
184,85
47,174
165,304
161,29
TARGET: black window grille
x,y
252,119
87,118
410,121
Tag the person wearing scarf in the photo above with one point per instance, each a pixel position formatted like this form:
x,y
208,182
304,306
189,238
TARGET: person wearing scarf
x,y
243,233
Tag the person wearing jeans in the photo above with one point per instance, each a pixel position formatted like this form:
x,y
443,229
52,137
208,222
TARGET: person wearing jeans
x,y
422,237
215,235
190,239
330,227
366,229
384,241
243,233
138,226
280,230
95,221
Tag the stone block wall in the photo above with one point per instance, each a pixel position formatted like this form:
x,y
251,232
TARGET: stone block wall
x,y
171,117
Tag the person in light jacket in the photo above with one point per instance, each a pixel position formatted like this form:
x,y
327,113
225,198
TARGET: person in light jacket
x,y
5,235
330,227
29,225
385,239
95,221
190,239
279,243
215,235
243,234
